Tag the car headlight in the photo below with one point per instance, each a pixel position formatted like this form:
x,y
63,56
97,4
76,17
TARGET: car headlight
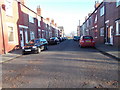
x,y
22,47
34,47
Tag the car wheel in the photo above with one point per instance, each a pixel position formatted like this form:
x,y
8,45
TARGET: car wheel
x,y
42,47
23,53
38,50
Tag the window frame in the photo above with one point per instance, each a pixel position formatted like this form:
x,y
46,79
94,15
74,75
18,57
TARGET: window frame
x,y
117,3
102,31
102,11
31,19
9,7
118,27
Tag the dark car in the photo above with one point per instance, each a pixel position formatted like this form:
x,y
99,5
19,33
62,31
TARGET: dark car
x,y
76,38
35,46
54,40
60,39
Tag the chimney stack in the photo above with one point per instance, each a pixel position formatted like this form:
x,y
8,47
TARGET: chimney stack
x,y
39,10
22,1
97,4
48,19
52,21
55,24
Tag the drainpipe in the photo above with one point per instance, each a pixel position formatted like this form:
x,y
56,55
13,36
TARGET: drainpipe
x,y
105,38
2,32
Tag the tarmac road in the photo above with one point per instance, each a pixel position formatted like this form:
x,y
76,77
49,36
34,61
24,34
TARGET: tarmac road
x,y
65,65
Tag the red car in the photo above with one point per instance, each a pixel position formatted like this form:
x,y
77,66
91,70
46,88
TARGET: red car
x,y
86,41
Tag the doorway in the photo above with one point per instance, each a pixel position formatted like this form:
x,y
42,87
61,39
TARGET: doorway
x,y
111,35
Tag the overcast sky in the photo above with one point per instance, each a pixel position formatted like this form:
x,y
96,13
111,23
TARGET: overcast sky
x,y
66,13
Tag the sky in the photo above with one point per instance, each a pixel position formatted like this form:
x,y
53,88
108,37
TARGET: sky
x,y
66,13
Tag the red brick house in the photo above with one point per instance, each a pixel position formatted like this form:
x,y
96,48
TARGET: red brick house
x,y
19,24
105,24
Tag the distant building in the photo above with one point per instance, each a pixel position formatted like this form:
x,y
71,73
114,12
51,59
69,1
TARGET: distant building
x,y
61,28
78,30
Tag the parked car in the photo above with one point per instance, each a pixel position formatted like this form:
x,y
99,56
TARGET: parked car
x,y
54,40
60,39
76,38
86,41
35,45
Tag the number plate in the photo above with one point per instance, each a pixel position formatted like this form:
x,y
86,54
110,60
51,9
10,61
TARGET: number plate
x,y
28,50
88,41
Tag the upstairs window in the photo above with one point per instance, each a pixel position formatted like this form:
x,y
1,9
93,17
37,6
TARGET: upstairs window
x,y
9,8
102,11
31,19
118,3
95,19
39,23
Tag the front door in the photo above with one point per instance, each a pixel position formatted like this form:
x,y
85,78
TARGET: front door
x,y
26,36
21,38
111,35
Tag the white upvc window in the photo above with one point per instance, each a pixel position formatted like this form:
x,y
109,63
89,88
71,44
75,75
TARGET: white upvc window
x,y
95,19
118,27
10,34
102,11
32,35
39,23
102,31
9,8
31,19
117,3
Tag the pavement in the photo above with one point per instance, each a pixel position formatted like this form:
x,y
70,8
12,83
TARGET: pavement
x,y
105,49
10,56
109,50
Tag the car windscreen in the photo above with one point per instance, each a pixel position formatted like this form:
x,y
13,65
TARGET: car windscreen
x,y
87,37
37,41
53,38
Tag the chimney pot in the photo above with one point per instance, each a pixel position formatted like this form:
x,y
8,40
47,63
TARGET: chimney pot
x,y
39,10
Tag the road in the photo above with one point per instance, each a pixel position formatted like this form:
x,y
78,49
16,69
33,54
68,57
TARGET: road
x,y
65,65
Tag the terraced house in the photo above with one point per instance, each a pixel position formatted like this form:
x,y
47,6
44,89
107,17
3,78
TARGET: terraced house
x,y
19,24
104,23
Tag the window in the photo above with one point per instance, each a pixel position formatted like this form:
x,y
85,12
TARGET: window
x,y
31,19
118,27
87,37
32,36
38,23
9,9
39,32
95,19
102,11
117,3
10,34
102,31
